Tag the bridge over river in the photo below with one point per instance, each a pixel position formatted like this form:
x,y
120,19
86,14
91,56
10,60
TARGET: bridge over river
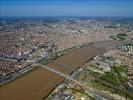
x,y
40,82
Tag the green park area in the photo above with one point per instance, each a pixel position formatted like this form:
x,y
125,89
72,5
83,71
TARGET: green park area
x,y
119,37
114,81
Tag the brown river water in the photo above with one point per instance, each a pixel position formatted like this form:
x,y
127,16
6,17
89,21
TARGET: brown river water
x,y
39,83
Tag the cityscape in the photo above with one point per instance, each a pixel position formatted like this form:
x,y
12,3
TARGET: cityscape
x,y
65,57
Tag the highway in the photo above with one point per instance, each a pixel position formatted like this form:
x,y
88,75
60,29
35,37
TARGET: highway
x,y
106,45
89,89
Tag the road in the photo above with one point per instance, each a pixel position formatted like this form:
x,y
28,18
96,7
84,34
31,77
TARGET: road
x,y
71,58
89,89
8,59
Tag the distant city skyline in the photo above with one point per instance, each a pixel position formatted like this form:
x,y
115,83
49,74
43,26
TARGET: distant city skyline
x,y
16,8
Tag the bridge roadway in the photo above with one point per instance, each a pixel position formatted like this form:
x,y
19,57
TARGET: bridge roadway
x,y
87,88
39,83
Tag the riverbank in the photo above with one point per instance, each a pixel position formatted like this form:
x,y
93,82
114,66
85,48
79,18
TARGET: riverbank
x,y
39,83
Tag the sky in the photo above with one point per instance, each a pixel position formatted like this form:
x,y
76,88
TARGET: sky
x,y
11,8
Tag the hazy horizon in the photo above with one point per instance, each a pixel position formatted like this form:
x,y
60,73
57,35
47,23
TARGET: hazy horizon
x,y
44,8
